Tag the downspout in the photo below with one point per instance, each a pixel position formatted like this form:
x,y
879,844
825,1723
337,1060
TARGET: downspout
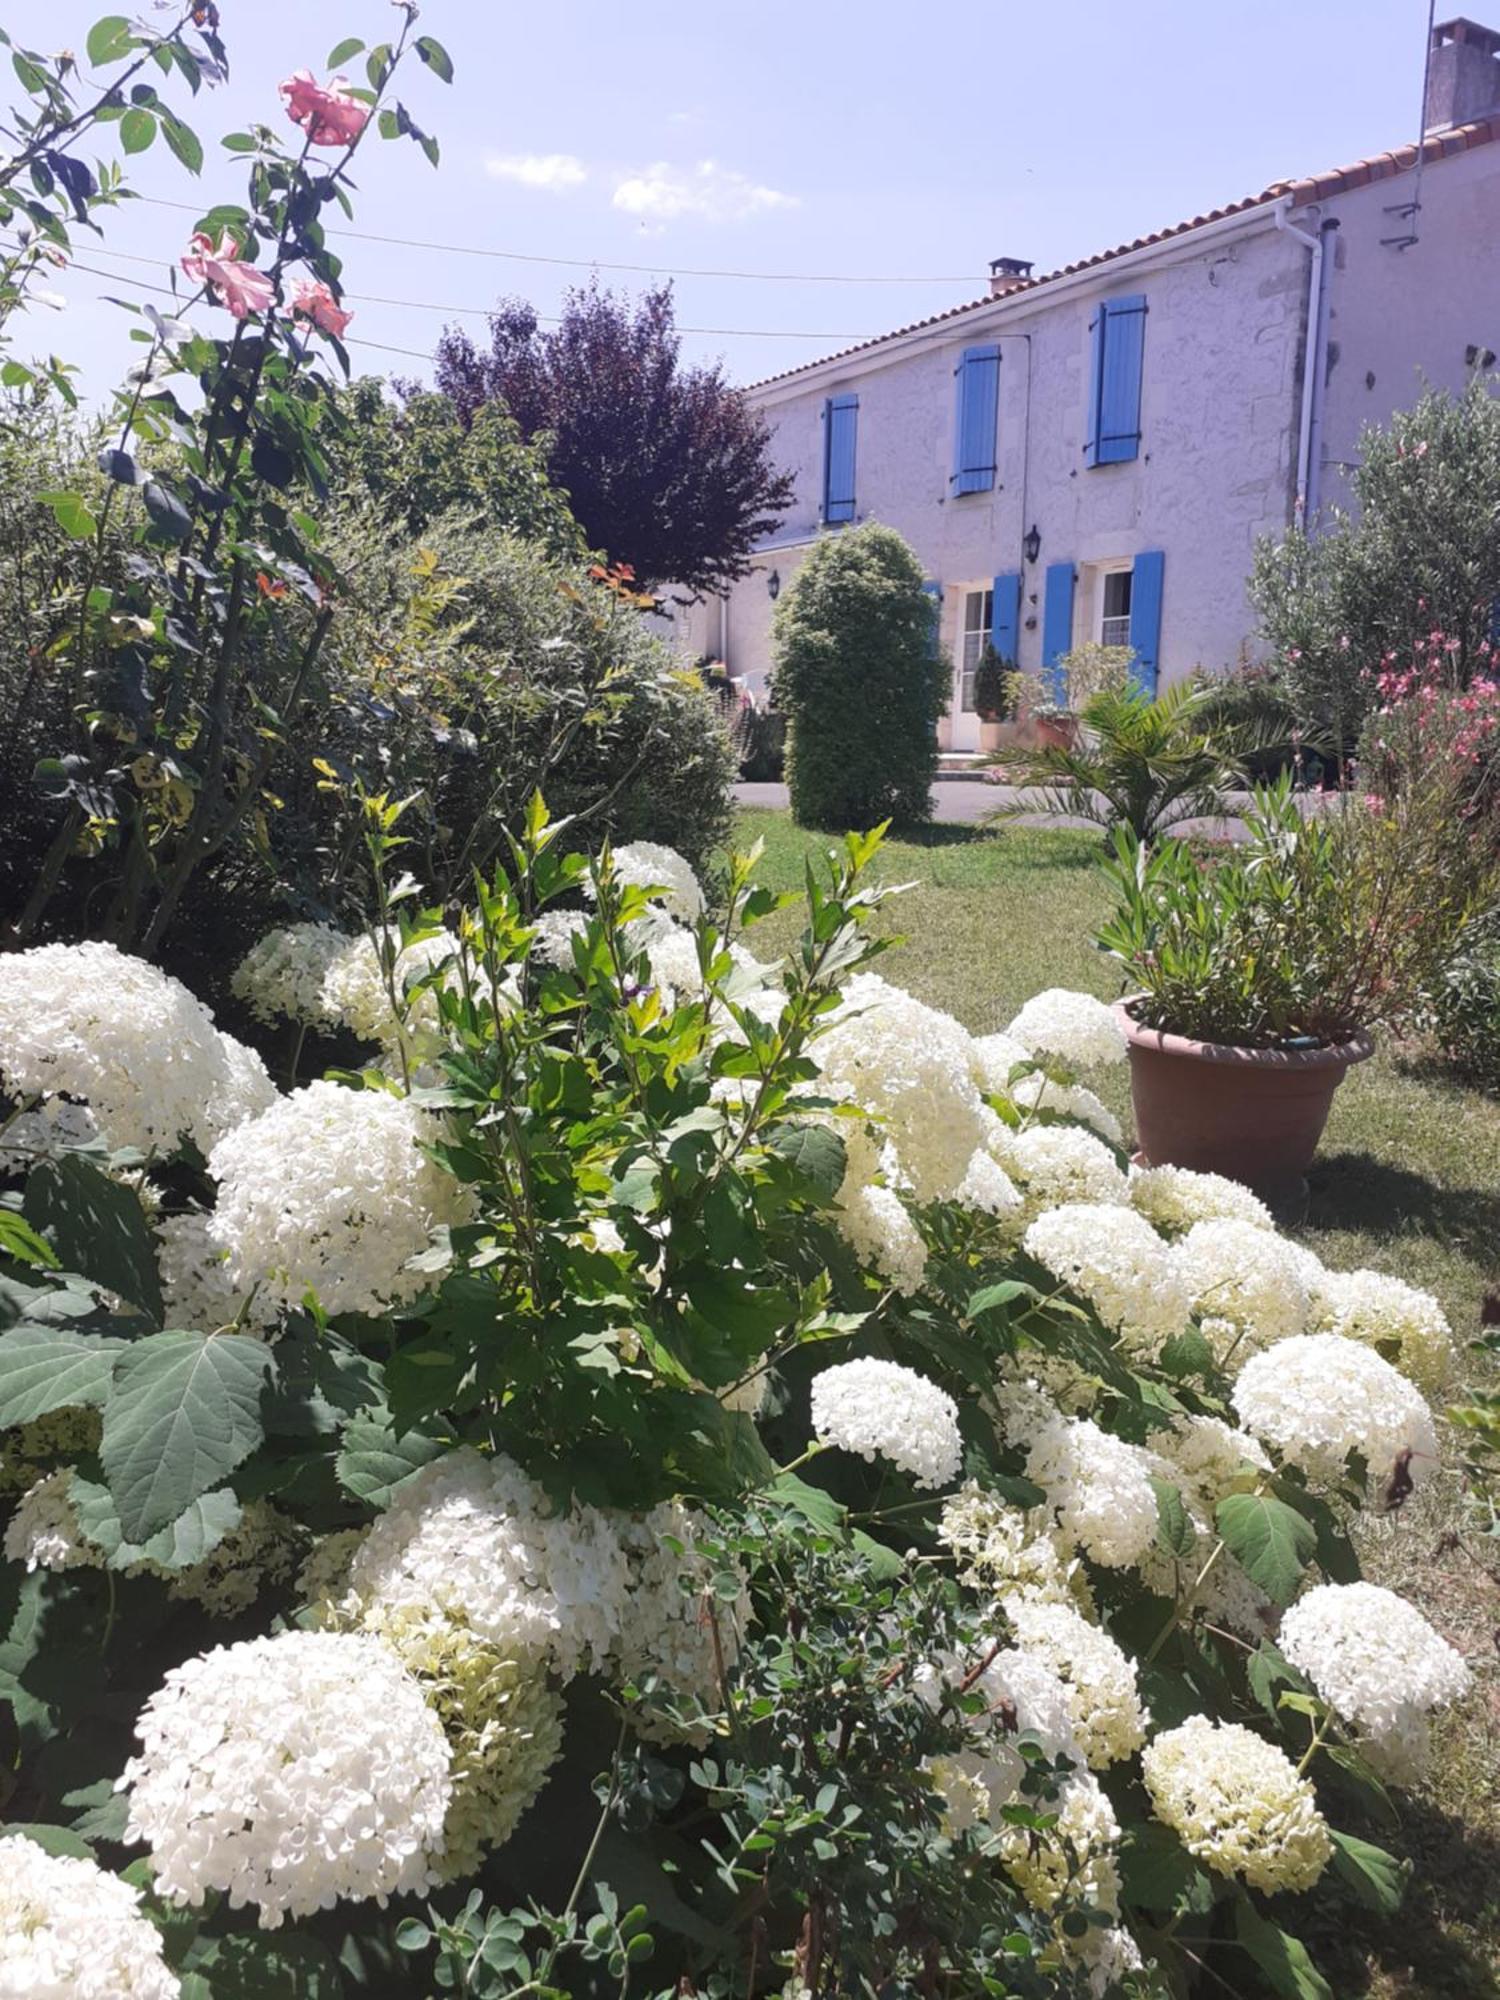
x,y
724,631
1314,246
1314,487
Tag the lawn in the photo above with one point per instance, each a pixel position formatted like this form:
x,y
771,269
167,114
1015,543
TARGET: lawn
x,y
1408,1181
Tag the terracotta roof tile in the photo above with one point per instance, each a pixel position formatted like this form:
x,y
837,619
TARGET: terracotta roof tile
x,y
1314,187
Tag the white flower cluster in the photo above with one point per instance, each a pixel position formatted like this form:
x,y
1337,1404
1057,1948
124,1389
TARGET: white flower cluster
x,y
1377,1663
1074,1027
289,1772
1039,1092
1097,1486
43,1531
282,976
358,992
1174,1198
57,1126
1318,1398
1000,1549
1245,1283
331,1191
989,1190
1104,1702
1236,1802
1116,1260
195,1287
1205,1459
651,865
69,1931
997,1059
95,1024
28,1450
879,1409
554,932
1057,1164
1388,1314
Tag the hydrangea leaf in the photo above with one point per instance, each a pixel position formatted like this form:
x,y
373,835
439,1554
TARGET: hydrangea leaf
x,y
376,1463
55,1839
195,1533
249,1967
97,1227
184,1412
45,1368
815,1153
1174,1527
1271,1542
1377,1879
1283,1959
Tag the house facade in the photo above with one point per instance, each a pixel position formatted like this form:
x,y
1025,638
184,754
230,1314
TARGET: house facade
x,y
1092,454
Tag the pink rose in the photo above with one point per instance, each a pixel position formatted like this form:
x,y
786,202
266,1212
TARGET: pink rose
x,y
328,113
312,298
240,287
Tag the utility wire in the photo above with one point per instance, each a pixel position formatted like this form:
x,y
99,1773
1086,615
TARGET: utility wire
x,y
607,264
486,312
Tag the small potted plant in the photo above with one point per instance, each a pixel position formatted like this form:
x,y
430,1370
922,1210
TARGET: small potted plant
x,y
995,690
1257,975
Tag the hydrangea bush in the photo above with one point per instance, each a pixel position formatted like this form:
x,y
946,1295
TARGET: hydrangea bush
x,y
688,1473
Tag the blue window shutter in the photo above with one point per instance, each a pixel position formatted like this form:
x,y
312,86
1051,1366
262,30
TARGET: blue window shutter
x,y
1005,619
1057,622
1119,344
1145,617
975,419
840,425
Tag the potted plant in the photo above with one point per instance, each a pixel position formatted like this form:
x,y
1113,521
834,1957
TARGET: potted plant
x,y
995,690
1257,975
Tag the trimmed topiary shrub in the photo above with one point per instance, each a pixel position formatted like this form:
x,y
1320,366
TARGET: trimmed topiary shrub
x,y
860,681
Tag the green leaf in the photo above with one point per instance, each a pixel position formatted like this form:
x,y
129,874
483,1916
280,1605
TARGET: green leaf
x,y
184,141
1270,1541
195,1533
375,1463
814,1152
137,129
811,1502
1280,1956
884,1563
45,1368
345,51
54,1839
1174,1526
109,40
1377,1879
97,1227
19,1240
184,1413
70,514
435,56
256,1966
1266,1670
1159,1873
990,1296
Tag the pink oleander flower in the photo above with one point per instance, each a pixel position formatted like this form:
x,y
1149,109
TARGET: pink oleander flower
x,y
312,298
328,113
240,287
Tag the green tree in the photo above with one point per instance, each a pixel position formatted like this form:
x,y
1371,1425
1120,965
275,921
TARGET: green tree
x,y
860,681
1419,554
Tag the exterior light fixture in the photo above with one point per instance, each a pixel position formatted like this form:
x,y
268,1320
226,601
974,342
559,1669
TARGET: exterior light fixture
x,y
1032,545
773,585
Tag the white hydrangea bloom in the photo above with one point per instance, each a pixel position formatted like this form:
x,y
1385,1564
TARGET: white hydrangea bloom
x,y
474,1538
195,1286
911,1068
331,1190
975,1784
555,931
879,1409
1318,1398
1245,1284
874,1222
1000,1547
1109,1957
1237,1803
69,1931
988,1189
1174,1198
43,1532
1210,1456
26,1451
1098,1486
1057,1164
666,1629
355,991
282,976
649,864
95,1024
1109,1718
996,1058
1116,1261
1387,1313
290,1772
1038,1092
1377,1663
1075,1027
1074,1860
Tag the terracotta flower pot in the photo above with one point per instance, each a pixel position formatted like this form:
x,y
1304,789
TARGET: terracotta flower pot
x,y
1254,1115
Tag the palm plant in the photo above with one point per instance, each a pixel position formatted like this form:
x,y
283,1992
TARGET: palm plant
x,y
1141,761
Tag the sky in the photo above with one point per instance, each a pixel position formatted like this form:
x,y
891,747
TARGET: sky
x,y
882,142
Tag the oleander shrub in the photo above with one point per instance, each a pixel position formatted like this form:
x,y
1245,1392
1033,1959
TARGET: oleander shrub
x,y
1463,1003
860,681
684,1472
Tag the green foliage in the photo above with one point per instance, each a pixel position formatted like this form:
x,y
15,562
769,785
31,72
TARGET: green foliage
x,y
860,681
1462,1003
1418,554
1250,707
995,685
1092,669
1311,929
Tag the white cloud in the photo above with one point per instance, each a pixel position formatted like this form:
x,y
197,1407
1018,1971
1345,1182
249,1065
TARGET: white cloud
x,y
664,193
554,173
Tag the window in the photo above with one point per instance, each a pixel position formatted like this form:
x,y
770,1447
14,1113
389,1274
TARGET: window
x,y
840,425
974,425
979,611
1119,335
1114,608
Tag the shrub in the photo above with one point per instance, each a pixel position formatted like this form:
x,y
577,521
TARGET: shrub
x,y
1252,708
700,1476
860,681
994,686
1091,670
1463,1003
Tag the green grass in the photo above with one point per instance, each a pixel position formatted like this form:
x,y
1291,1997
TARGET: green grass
x,y
1408,1181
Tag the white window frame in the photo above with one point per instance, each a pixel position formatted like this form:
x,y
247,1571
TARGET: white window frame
x,y
1103,636
972,639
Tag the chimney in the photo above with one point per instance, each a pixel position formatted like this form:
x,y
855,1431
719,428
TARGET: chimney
x,y
1463,75
1007,274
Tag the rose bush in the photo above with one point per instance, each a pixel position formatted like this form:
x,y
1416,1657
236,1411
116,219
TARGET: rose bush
x,y
685,1473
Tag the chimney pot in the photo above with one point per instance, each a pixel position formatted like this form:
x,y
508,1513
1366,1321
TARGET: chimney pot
x,y
1463,75
1007,273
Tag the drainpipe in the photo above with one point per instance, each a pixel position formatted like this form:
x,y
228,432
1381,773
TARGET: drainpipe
x,y
1314,245
724,630
1314,486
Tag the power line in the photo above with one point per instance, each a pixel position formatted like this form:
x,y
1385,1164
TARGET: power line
x,y
608,264
485,312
